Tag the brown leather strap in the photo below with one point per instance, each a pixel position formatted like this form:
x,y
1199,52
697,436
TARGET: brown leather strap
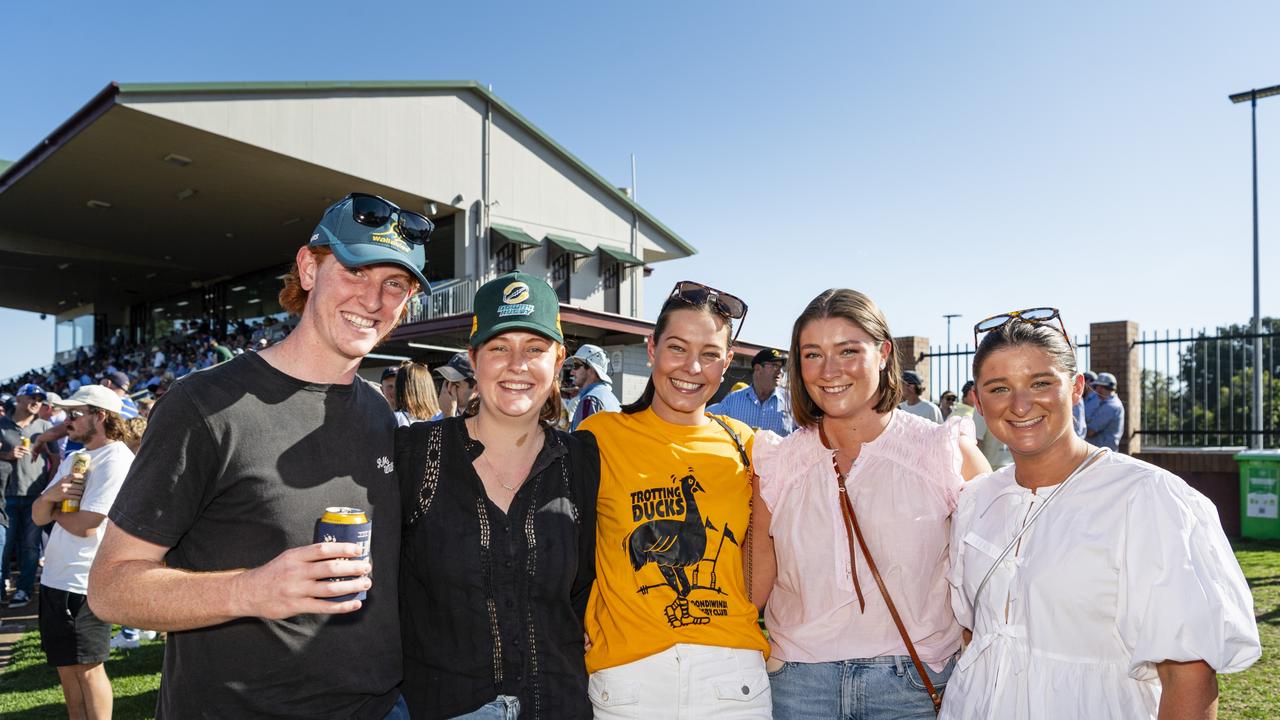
x,y
851,523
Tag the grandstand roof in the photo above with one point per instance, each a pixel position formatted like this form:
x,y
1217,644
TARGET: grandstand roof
x,y
110,208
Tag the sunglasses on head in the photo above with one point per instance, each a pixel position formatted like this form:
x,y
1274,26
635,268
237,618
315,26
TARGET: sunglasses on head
x,y
373,211
697,294
1031,316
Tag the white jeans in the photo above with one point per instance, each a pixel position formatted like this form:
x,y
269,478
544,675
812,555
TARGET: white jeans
x,y
685,682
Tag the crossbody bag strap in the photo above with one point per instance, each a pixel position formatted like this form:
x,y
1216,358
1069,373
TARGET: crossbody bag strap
x,y
851,521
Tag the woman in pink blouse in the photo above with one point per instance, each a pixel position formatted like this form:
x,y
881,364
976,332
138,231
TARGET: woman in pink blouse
x,y
856,467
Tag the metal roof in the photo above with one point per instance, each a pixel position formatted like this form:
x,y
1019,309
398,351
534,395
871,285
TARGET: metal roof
x,y
328,87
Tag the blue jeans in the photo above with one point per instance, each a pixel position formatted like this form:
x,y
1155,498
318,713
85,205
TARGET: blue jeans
x,y
22,539
880,688
505,707
399,711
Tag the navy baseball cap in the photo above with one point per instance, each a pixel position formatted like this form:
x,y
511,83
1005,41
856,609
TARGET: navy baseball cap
x,y
364,230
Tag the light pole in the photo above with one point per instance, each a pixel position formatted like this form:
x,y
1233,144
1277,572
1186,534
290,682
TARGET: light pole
x,y
949,348
1255,440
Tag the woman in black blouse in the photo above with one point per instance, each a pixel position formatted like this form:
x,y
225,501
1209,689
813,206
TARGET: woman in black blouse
x,y
498,547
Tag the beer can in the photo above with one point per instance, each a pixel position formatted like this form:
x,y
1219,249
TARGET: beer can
x,y
346,525
26,443
80,463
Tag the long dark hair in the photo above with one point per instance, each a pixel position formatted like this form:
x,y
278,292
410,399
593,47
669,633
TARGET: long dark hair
x,y
659,327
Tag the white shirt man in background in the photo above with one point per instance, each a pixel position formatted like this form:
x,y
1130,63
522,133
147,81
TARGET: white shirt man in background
x,y
76,641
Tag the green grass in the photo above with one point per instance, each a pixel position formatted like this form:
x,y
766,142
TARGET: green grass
x,y
29,688
1255,693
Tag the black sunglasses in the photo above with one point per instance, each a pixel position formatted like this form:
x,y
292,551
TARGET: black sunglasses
x,y
373,211
695,293
1033,316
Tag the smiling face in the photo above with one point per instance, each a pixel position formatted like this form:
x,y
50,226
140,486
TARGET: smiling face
x,y
350,310
1026,400
840,366
515,372
689,360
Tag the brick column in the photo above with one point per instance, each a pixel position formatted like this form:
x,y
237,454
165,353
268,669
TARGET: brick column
x,y
912,352
1112,349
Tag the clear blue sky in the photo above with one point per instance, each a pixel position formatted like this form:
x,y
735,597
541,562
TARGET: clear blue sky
x,y
943,159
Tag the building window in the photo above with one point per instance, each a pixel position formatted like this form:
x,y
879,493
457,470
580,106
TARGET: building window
x,y
506,258
613,287
561,269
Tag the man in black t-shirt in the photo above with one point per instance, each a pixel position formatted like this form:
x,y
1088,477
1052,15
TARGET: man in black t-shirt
x,y
211,535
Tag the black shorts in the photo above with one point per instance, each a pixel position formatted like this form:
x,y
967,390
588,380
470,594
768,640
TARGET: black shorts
x,y
69,631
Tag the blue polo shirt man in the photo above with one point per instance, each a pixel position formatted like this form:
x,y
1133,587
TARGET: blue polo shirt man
x,y
762,405
1105,421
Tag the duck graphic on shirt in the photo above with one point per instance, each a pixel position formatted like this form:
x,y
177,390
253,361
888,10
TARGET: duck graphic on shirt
x,y
677,547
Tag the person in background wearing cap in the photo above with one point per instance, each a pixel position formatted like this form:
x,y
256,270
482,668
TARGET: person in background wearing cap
x,y
1088,401
118,383
458,386
762,405
590,368
389,384
499,528
75,640
946,403
24,470
914,400
211,536
1105,422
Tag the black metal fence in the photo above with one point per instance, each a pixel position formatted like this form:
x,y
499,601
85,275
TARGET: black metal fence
x,y
1197,387
950,369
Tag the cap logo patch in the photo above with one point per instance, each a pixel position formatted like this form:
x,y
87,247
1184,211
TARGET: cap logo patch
x,y
315,237
389,237
475,323
516,292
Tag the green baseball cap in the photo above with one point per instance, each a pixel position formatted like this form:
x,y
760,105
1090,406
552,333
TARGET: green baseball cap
x,y
366,230
516,301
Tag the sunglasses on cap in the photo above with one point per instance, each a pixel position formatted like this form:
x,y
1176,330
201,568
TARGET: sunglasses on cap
x,y
697,294
373,211
1031,316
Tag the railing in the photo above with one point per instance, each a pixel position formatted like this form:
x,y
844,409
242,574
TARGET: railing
x,y
443,301
1197,388
950,369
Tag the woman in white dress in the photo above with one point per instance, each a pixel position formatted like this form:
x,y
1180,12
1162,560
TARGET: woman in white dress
x,y
1095,585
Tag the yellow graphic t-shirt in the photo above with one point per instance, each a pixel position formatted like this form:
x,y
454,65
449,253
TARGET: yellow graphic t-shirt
x,y
671,526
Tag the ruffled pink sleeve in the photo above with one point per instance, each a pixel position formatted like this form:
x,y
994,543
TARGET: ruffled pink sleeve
x,y
779,468
946,472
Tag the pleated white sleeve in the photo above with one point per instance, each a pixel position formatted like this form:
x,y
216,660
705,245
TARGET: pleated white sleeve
x,y
1182,595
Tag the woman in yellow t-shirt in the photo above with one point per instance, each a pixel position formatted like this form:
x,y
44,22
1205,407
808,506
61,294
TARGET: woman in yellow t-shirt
x,y
672,631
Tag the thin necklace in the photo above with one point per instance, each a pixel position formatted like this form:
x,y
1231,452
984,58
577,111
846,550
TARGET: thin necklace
x,y
497,475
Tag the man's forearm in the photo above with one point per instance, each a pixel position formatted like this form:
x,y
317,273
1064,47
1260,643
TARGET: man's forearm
x,y
145,593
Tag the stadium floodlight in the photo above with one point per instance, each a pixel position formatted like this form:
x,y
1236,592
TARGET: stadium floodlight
x,y
1256,439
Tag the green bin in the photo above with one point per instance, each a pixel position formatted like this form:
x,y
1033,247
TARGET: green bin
x,y
1259,494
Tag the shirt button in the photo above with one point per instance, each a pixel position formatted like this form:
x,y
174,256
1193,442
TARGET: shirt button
x,y
511,603
506,563
605,696
746,690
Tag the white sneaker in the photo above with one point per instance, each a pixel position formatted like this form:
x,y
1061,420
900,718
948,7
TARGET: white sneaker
x,y
147,635
20,598
120,642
